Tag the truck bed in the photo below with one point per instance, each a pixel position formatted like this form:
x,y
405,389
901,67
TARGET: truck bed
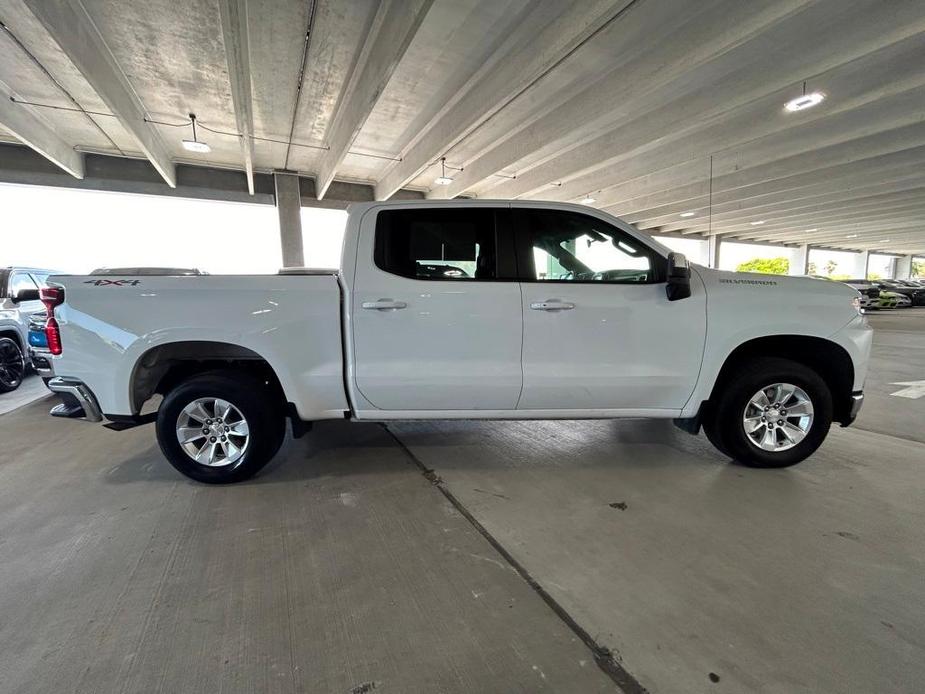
x,y
291,320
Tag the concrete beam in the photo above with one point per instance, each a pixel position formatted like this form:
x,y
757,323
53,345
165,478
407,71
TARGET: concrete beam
x,y
29,127
237,57
23,166
75,33
289,207
756,167
645,54
525,56
391,32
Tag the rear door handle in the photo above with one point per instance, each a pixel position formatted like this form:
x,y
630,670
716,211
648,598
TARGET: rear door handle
x,y
384,305
552,305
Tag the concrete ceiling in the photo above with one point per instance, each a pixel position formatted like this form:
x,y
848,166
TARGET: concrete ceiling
x,y
652,107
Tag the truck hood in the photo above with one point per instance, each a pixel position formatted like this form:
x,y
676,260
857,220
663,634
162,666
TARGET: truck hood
x,y
779,284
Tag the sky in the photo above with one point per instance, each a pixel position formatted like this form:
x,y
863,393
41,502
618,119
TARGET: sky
x,y
77,231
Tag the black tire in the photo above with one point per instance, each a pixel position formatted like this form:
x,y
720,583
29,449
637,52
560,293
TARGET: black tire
x,y
714,436
254,399
726,413
12,365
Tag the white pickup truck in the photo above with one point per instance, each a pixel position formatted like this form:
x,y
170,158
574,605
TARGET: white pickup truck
x,y
463,310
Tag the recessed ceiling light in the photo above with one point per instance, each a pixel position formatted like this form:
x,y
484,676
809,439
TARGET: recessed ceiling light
x,y
195,145
851,236
687,214
809,230
757,223
804,102
884,240
588,200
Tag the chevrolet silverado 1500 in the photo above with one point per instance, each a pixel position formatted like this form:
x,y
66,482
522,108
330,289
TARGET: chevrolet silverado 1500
x,y
463,310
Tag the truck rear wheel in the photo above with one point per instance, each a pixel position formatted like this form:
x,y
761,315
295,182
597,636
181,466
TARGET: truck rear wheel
x,y
775,414
220,427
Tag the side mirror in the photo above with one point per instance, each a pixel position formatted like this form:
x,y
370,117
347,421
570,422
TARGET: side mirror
x,y
679,277
25,295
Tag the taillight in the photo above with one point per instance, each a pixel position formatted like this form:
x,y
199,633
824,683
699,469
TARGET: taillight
x,y
52,297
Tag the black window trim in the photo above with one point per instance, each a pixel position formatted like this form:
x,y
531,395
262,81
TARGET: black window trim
x,y
524,250
506,267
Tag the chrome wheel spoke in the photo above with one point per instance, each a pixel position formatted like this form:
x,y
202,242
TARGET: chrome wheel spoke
x,y
239,428
752,424
189,434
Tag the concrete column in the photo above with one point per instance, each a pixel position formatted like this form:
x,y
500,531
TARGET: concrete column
x,y
860,265
714,244
903,267
799,260
289,207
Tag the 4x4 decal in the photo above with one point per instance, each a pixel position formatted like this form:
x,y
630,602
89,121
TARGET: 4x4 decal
x,y
113,283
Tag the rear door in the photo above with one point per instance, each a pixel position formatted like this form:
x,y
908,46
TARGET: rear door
x,y
599,331
436,316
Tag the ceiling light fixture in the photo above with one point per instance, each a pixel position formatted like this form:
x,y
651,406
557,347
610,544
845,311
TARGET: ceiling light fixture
x,y
443,179
809,230
884,240
588,200
757,223
687,214
805,101
195,145
851,236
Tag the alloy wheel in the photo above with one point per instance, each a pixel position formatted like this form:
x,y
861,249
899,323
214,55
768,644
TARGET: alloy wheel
x,y
213,432
778,417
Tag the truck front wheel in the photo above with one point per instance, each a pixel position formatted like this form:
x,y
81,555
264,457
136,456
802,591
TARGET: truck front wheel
x,y
771,413
220,427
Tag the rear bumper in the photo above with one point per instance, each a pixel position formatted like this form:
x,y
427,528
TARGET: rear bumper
x,y
41,362
80,392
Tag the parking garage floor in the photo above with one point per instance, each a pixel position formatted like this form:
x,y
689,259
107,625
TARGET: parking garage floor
x,y
345,568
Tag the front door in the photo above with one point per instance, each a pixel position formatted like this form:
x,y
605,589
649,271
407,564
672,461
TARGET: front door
x,y
599,331
437,323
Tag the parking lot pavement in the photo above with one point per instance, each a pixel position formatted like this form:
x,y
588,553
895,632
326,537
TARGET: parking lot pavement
x,y
31,389
898,357
692,569
341,570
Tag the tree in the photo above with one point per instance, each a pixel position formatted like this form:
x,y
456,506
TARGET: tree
x,y
830,266
918,268
811,268
769,266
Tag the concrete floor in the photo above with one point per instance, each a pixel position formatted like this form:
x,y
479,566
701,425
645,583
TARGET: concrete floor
x,y
343,569
31,389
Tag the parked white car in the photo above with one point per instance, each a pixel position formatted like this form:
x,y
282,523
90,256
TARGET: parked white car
x,y
464,310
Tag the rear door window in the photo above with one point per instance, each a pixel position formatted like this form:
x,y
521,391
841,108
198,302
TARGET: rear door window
x,y
454,244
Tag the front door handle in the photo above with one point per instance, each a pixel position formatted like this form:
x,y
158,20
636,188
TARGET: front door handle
x,y
384,305
552,305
